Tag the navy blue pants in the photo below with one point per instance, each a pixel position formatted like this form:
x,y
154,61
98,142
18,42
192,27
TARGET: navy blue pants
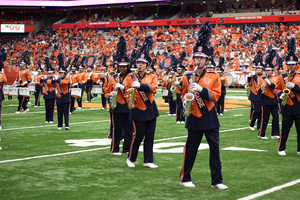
x,y
72,108
191,150
63,110
251,110
88,90
79,101
221,104
256,114
50,109
22,102
266,110
179,112
103,101
120,123
172,105
143,129
286,124
37,96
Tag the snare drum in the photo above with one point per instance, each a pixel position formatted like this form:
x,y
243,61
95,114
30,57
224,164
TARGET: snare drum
x,y
24,91
6,90
164,92
97,89
13,91
31,87
76,93
231,77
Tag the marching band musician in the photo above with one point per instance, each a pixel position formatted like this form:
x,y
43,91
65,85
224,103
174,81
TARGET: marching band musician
x,y
254,96
178,83
288,90
203,119
63,99
22,80
75,81
268,100
144,114
49,85
89,84
224,85
83,77
38,88
169,82
120,114
3,79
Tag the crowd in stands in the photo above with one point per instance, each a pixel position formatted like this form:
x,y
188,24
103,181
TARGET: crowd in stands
x,y
20,17
238,45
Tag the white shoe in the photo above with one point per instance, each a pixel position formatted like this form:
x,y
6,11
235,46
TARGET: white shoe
x,y
125,153
251,128
116,153
70,113
183,122
35,106
178,122
150,165
174,114
67,128
51,122
298,152
220,186
264,138
129,163
59,128
79,108
187,184
275,137
221,113
122,140
86,101
0,148
169,114
281,153
18,112
28,103
166,103
26,111
46,122
102,109
0,130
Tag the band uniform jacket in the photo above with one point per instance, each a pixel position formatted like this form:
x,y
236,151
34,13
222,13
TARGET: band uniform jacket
x,y
268,97
122,106
49,88
225,85
36,80
252,83
165,84
83,77
63,94
3,79
145,106
90,78
23,76
203,114
293,101
74,78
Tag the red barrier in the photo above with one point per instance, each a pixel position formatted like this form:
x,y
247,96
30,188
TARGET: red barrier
x,y
177,22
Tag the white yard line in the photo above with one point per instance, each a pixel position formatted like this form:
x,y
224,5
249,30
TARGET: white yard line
x,y
268,191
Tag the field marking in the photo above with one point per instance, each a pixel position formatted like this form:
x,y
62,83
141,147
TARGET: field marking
x,y
268,191
82,151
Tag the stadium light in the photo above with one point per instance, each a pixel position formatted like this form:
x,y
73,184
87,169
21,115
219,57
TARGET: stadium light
x,y
204,1
220,1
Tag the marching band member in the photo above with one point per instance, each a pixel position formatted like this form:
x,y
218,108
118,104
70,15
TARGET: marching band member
x,y
22,80
178,83
89,84
169,83
288,90
224,85
119,108
83,77
268,100
206,88
38,88
3,79
144,114
254,97
75,81
49,85
63,99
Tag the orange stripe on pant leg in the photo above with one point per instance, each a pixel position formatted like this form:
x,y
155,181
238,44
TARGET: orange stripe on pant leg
x,y
251,118
182,168
113,133
224,105
54,110
280,134
22,104
134,135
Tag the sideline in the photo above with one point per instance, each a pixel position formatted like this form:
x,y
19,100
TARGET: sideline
x,y
268,191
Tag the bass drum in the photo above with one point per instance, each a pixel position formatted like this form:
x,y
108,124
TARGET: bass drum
x,y
231,77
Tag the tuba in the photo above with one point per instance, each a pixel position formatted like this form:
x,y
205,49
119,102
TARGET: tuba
x,y
286,90
114,95
189,97
131,94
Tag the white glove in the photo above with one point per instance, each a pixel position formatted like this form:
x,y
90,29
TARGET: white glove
x,y
136,84
176,83
196,87
268,81
253,73
290,85
250,75
118,85
281,96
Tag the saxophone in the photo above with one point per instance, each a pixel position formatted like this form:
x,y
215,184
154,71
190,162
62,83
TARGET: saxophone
x,y
173,88
131,93
286,90
189,97
114,95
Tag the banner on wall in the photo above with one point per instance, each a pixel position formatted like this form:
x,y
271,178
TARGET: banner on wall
x,y
12,28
